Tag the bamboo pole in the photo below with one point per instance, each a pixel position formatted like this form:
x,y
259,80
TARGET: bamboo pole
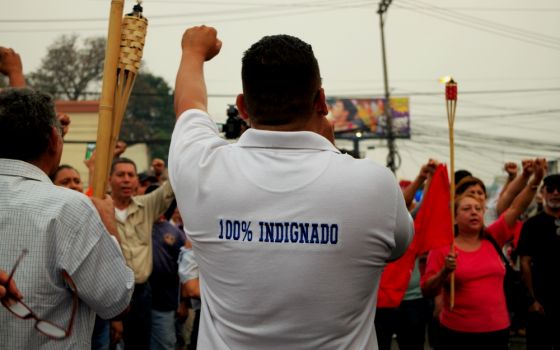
x,y
133,36
106,103
451,105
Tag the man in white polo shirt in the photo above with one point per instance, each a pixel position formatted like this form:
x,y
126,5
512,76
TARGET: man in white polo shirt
x,y
290,236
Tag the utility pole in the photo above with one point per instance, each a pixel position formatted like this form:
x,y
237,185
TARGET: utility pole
x,y
382,10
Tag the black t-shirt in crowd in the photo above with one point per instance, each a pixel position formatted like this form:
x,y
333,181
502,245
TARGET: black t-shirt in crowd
x,y
540,241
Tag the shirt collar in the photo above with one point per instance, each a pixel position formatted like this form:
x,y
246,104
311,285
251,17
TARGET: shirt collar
x,y
138,204
14,167
285,139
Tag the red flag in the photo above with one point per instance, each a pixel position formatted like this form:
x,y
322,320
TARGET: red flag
x,y
394,280
432,227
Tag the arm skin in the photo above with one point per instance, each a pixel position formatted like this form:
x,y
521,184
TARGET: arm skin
x,y
528,280
513,187
12,287
199,44
433,285
11,66
107,214
524,198
425,173
191,289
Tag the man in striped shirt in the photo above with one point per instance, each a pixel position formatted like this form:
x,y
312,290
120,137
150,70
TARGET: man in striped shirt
x,y
73,268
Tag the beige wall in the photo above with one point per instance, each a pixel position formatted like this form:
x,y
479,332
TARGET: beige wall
x,y
73,154
83,129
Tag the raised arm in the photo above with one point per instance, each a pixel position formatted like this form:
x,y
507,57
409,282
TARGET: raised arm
x,y
11,66
514,185
199,44
426,171
524,198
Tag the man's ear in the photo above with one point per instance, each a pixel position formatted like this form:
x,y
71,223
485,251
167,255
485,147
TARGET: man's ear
x,y
53,152
320,103
240,102
55,141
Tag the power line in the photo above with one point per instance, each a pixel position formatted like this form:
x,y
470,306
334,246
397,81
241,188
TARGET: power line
x,y
440,93
550,42
507,115
491,24
266,15
256,8
497,139
507,9
487,92
361,95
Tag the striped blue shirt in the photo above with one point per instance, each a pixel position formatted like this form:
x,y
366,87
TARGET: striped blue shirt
x,y
62,230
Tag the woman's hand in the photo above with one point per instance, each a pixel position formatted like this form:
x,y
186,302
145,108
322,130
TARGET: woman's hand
x,y
536,307
432,286
450,263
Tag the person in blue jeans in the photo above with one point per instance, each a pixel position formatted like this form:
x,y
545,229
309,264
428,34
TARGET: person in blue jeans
x,y
167,241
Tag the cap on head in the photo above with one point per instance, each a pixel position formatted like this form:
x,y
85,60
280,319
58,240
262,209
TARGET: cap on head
x,y
552,180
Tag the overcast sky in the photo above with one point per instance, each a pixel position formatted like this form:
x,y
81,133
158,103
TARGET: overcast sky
x,y
505,55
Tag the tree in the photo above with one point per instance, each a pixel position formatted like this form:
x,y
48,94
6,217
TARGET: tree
x,y
72,72
150,116
69,70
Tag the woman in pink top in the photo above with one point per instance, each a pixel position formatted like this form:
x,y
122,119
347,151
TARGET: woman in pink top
x,y
480,318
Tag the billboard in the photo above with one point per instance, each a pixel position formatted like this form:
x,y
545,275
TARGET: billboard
x,y
367,115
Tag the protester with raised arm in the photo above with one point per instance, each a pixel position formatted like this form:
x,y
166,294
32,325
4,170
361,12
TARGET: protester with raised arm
x,y
283,265
11,66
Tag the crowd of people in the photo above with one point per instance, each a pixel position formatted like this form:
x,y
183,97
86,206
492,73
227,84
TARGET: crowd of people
x,y
276,241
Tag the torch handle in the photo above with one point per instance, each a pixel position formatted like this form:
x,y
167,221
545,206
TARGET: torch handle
x,y
104,152
451,105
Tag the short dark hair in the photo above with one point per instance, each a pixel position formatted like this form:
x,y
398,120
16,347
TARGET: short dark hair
x,y
460,174
26,119
121,160
281,78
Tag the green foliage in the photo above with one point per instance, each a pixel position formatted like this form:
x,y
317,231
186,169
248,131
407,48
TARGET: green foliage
x,y
150,116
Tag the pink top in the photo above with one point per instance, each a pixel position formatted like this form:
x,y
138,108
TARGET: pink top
x,y
480,304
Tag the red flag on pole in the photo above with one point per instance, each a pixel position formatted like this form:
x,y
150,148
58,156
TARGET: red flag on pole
x,y
432,227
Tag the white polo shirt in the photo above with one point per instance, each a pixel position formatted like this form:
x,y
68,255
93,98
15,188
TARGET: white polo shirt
x,y
290,235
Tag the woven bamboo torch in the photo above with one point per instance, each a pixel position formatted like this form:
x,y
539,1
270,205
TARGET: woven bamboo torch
x,y
125,44
451,105
133,36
